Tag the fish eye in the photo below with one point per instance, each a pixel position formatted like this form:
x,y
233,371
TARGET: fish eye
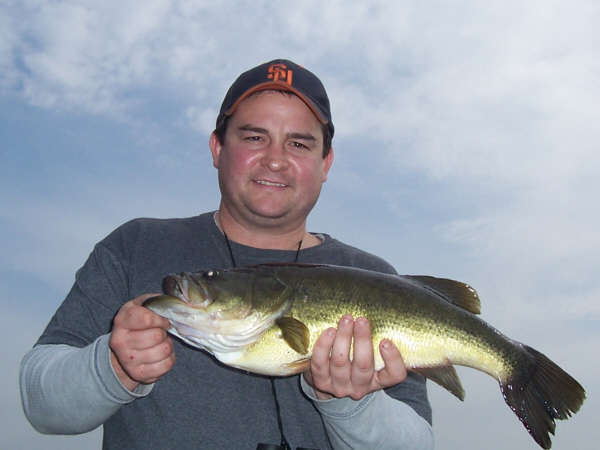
x,y
210,274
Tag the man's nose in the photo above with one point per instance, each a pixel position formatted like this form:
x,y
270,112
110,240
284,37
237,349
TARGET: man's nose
x,y
275,157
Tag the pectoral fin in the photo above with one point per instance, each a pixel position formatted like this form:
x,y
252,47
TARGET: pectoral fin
x,y
445,376
295,333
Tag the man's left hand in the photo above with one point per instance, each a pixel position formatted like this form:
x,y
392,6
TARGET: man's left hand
x,y
333,374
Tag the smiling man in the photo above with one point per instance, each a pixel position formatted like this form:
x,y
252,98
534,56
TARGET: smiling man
x,y
272,149
271,169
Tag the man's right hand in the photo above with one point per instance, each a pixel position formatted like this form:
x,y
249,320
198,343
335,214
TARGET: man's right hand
x,y
141,350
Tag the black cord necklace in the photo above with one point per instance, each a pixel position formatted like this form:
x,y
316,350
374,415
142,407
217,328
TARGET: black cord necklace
x,y
284,445
231,251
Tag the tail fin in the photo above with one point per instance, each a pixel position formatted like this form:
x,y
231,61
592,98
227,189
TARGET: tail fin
x,y
543,393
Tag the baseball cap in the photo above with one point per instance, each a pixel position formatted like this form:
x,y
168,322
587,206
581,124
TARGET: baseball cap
x,y
282,75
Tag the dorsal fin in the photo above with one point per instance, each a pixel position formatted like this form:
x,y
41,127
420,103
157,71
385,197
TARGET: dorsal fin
x,y
455,292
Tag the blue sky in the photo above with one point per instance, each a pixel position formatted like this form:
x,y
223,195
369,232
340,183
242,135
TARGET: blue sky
x,y
466,147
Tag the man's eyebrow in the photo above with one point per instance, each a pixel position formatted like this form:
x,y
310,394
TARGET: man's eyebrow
x,y
293,135
302,136
249,127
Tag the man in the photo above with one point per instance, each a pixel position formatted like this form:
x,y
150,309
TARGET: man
x,y
105,360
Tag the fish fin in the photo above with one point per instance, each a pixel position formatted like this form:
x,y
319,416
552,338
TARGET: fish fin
x,y
539,393
445,376
295,333
455,292
298,366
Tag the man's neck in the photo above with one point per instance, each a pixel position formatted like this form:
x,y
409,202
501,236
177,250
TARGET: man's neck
x,y
264,237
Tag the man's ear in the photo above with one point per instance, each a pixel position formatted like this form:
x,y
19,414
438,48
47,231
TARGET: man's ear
x,y
215,148
327,164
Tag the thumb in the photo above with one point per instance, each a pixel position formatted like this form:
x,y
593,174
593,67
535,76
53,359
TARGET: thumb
x,y
394,370
156,319
142,298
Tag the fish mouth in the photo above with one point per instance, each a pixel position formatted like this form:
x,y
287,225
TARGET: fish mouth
x,y
172,287
182,286
192,299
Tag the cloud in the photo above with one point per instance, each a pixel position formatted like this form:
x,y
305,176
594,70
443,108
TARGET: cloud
x,y
489,94
462,95
485,97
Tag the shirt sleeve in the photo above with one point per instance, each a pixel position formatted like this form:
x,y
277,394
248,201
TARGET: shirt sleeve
x,y
71,390
375,421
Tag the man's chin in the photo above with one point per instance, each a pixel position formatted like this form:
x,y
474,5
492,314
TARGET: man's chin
x,y
271,215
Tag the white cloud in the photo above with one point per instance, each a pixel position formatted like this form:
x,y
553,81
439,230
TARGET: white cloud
x,y
468,88
202,119
488,93
8,39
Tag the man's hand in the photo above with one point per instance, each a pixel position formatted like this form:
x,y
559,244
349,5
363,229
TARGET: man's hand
x,y
331,372
141,350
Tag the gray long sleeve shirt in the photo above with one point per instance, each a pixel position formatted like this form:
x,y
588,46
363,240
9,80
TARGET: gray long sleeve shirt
x,y
68,385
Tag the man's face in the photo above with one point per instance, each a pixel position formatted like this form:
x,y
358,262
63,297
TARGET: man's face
x,y
271,165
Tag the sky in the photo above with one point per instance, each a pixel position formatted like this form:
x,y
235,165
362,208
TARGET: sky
x,y
466,147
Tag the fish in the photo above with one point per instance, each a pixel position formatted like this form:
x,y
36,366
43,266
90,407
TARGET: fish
x,y
265,319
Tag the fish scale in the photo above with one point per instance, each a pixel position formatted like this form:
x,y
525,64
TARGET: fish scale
x,y
394,320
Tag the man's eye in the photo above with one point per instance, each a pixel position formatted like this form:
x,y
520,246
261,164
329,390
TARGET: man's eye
x,y
252,138
299,145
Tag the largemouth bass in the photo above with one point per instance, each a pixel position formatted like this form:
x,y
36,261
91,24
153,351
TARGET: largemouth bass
x,y
265,319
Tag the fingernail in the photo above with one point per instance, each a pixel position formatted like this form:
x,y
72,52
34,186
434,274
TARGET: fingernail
x,y
361,321
386,344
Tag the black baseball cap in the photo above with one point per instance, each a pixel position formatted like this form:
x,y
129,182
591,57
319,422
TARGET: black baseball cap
x,y
282,75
